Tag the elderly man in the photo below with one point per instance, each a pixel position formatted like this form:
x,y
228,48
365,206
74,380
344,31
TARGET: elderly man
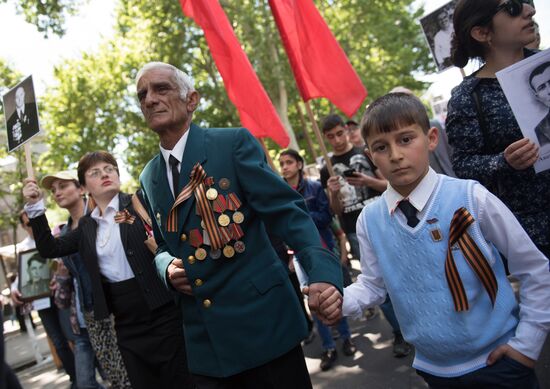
x,y
210,191
23,123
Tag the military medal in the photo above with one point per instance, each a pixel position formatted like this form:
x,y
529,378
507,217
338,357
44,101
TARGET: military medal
x,y
233,204
228,251
223,220
211,193
215,254
220,205
158,219
237,233
195,240
239,246
224,183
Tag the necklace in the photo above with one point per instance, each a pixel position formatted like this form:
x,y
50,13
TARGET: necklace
x,y
104,234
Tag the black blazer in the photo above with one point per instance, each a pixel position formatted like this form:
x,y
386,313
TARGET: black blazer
x,y
83,241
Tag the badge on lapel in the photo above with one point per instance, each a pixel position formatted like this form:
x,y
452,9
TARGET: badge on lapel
x,y
435,231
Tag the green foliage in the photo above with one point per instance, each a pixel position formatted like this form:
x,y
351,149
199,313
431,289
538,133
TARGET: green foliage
x,y
92,106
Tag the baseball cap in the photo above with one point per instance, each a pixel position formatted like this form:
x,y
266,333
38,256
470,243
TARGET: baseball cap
x,y
68,175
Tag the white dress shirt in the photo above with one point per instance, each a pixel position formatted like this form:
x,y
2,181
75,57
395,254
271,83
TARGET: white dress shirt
x,y
177,152
112,261
499,226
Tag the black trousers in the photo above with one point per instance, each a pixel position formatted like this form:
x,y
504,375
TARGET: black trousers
x,y
289,371
151,341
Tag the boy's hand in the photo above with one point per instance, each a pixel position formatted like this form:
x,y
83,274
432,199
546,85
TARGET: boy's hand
x,y
360,179
510,352
333,184
326,301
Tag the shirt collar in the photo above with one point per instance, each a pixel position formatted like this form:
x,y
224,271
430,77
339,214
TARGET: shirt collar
x,y
178,149
418,197
113,205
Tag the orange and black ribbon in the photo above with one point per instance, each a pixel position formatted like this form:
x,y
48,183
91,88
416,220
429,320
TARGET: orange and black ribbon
x,y
462,219
233,202
236,231
124,217
196,186
220,204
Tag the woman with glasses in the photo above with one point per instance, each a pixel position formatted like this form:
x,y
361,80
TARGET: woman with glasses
x,y
111,243
487,142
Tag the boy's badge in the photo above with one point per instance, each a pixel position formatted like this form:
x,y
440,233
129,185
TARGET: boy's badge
x,y
435,232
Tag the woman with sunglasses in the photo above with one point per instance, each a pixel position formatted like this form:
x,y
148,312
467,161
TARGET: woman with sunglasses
x,y
111,241
487,141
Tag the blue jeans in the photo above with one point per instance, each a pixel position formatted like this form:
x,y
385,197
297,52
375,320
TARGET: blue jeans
x,y
387,308
84,355
52,325
326,335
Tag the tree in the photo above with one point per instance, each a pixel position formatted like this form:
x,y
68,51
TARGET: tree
x,y
93,104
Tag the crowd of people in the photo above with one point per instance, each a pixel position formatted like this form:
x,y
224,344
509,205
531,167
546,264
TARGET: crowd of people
x,y
198,280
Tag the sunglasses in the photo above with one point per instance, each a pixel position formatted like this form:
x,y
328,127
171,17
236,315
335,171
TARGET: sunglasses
x,y
513,7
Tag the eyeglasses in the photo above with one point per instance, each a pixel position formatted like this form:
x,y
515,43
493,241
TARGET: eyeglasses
x,y
96,173
513,7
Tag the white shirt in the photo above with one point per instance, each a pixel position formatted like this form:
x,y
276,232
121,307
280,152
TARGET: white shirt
x,y
499,226
111,257
177,152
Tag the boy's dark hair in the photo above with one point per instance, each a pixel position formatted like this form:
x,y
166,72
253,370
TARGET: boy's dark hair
x,y
537,71
467,15
35,257
90,159
349,122
332,121
392,112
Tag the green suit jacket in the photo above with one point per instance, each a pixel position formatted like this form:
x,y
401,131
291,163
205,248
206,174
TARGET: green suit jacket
x,y
244,311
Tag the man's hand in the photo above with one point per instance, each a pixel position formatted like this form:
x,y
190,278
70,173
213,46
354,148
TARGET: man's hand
x,y
521,154
326,301
177,276
333,184
510,352
31,192
16,297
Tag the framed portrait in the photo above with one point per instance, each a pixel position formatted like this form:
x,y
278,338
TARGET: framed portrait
x,y
526,85
21,114
438,31
35,274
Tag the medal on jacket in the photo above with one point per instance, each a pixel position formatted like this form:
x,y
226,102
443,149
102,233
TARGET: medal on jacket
x,y
220,205
233,204
195,240
237,233
211,193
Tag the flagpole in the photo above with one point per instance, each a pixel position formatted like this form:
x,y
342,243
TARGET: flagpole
x,y
306,133
319,138
266,151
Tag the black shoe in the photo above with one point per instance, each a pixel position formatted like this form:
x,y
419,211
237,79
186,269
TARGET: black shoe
x,y
400,347
327,359
348,347
309,337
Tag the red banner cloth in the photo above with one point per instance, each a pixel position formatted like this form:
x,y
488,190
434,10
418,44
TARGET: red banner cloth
x,y
320,66
243,87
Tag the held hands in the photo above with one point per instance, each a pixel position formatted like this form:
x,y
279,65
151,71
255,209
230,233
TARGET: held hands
x,y
325,301
31,192
510,352
521,154
177,276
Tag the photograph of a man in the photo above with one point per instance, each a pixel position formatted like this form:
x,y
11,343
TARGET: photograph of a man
x,y
539,80
438,30
35,271
22,123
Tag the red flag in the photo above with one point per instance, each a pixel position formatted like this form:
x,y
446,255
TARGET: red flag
x,y
320,66
241,82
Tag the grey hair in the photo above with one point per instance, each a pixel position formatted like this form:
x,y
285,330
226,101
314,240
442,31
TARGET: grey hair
x,y
184,82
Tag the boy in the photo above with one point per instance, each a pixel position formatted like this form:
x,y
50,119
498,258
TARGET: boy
x,y
462,318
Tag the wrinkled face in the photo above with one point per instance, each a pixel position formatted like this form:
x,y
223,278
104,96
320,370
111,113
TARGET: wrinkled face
x,y
66,193
290,168
338,139
35,270
509,32
19,98
541,86
160,101
102,180
403,155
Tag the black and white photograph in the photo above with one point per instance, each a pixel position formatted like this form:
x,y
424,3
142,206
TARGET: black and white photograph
x,y
438,31
21,114
34,275
526,85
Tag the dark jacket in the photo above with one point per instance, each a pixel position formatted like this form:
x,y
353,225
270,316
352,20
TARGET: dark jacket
x,y
83,241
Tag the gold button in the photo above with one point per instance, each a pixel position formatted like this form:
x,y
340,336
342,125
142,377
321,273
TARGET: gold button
x,y
183,237
207,303
198,282
191,259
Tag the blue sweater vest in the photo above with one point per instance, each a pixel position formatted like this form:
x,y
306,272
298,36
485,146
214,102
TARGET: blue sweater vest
x,y
448,343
